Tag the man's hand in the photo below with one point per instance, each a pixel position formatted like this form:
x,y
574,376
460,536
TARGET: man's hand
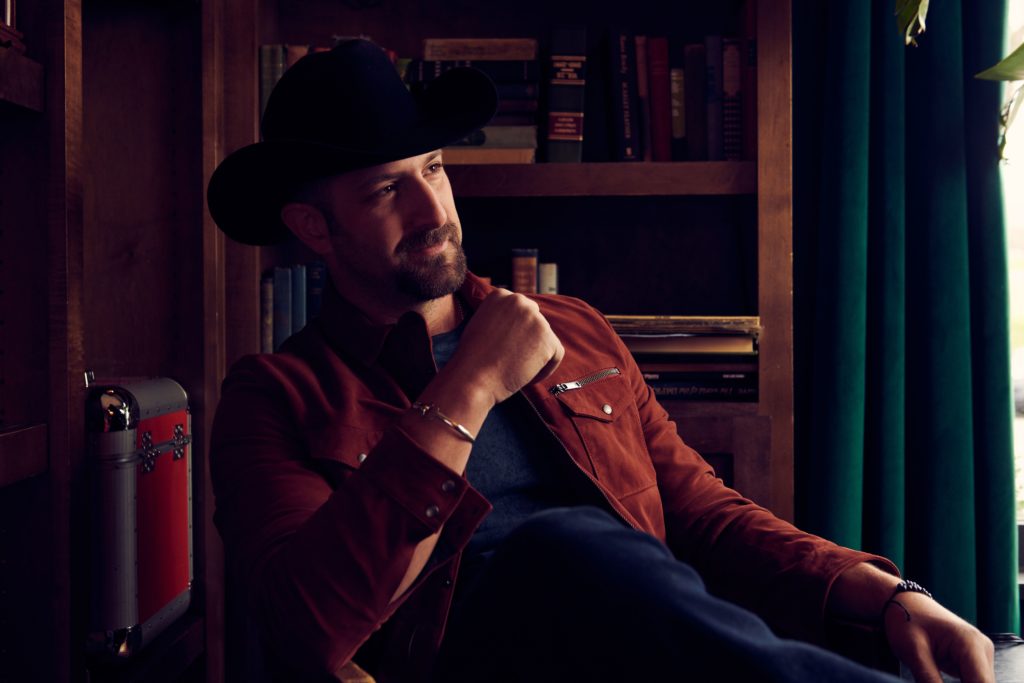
x,y
923,634
507,345
928,638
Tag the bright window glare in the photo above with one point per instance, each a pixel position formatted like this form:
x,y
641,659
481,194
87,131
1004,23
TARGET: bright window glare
x,y
1013,198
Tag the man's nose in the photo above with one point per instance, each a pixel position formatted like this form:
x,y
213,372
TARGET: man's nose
x,y
426,208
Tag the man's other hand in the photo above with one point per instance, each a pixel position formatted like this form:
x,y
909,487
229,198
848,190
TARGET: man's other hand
x,y
506,345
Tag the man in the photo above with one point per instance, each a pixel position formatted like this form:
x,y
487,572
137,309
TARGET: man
x,y
354,470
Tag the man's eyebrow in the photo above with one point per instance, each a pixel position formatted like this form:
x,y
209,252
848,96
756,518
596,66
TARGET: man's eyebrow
x,y
386,177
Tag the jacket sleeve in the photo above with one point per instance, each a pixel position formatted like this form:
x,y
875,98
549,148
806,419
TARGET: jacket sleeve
x,y
744,552
319,565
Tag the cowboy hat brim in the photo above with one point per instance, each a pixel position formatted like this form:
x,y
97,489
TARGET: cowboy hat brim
x,y
250,186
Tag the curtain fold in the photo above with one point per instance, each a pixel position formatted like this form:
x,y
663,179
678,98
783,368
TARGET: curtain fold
x,y
904,442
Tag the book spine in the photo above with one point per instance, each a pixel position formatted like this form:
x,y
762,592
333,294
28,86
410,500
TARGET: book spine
x,y
298,297
696,392
524,271
732,114
282,305
502,71
566,95
479,48
677,101
660,103
627,142
713,96
643,95
547,278
267,314
695,77
315,280
272,63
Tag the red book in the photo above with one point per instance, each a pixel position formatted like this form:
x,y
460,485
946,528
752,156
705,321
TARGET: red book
x,y
660,98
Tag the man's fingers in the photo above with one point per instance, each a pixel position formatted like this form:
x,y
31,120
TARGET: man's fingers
x,y
917,655
924,670
977,664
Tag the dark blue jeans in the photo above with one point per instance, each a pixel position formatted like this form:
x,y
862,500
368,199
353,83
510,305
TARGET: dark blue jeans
x,y
574,595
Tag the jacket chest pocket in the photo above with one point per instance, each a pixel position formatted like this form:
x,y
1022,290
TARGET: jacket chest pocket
x,y
336,452
605,417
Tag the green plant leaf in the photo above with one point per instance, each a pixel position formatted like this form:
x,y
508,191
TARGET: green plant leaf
x,y
1007,117
1010,69
910,14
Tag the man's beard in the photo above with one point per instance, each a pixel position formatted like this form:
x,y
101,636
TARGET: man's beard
x,y
436,277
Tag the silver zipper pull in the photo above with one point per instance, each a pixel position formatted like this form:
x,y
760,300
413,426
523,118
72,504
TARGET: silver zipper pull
x,y
559,388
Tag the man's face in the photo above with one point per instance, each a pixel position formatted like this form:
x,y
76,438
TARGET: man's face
x,y
395,233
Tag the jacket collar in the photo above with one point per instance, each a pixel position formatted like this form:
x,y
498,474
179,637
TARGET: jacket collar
x,y
350,332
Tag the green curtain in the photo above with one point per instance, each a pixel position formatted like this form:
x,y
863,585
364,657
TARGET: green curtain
x,y
904,408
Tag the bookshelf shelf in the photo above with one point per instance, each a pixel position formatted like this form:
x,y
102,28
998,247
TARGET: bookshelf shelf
x,y
628,179
21,80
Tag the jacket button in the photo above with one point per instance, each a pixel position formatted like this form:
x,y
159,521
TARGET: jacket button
x,y
431,511
448,486
447,583
607,409
361,457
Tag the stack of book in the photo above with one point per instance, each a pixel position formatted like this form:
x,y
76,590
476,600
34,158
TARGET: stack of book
x,y
511,136
672,101
289,296
694,358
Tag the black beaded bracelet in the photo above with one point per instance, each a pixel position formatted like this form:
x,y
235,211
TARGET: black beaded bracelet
x,y
905,586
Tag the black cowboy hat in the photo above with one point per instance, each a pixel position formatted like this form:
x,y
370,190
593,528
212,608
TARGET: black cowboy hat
x,y
334,112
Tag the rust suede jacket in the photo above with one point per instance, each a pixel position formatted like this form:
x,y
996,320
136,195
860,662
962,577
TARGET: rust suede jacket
x,y
320,499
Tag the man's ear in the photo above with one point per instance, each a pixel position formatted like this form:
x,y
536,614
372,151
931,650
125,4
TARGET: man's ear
x,y
309,225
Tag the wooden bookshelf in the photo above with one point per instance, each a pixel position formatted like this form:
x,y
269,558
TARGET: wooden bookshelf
x,y
109,130
21,80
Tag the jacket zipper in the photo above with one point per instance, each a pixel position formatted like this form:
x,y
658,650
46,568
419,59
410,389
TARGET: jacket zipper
x,y
583,381
588,475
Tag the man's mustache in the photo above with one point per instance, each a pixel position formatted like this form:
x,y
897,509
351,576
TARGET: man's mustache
x,y
428,238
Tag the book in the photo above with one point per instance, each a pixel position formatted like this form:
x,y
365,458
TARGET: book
x,y
627,144
677,101
267,314
524,271
500,71
282,305
298,297
566,95
689,343
480,48
272,65
704,385
316,280
502,136
643,95
713,96
697,324
660,103
467,154
695,79
732,115
547,278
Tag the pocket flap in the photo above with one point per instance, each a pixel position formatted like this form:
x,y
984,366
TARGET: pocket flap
x,y
604,400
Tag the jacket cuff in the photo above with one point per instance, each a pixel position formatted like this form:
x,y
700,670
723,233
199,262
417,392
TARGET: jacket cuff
x,y
426,488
